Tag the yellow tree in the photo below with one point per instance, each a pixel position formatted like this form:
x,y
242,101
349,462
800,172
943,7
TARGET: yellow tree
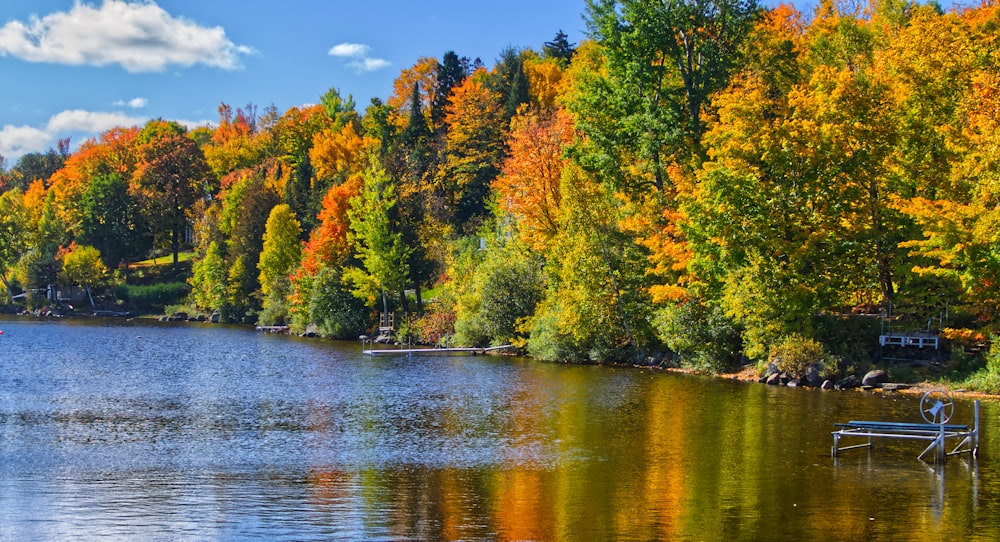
x,y
422,75
280,255
238,141
14,232
791,214
957,215
930,62
545,81
335,154
960,245
82,266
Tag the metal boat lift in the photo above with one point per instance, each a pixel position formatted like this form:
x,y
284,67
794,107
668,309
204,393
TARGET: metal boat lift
x,y
936,408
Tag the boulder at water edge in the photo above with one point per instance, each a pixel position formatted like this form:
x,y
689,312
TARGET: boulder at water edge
x,y
874,378
847,383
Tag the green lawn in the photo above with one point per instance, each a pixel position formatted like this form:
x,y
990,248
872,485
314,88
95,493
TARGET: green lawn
x,y
164,260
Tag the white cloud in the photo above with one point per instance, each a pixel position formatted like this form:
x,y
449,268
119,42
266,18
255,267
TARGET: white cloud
x,y
349,50
369,64
16,141
139,36
134,103
78,120
357,56
194,124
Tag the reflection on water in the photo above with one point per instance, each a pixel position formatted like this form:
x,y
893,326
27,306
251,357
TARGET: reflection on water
x,y
141,431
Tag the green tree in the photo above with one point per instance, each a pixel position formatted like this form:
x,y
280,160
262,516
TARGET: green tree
x,y
112,221
663,60
496,289
703,336
333,309
82,266
510,284
281,253
38,267
341,111
510,82
418,150
239,307
450,74
596,302
39,166
51,231
379,248
209,279
246,206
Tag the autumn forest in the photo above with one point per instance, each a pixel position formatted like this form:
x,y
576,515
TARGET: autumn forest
x,y
704,183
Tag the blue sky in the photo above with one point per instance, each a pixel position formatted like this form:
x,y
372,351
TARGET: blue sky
x,y
75,68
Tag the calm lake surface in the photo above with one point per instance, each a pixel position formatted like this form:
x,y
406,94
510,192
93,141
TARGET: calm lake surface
x,y
141,431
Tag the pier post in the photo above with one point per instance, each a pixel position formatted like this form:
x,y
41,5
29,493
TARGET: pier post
x,y
942,452
975,428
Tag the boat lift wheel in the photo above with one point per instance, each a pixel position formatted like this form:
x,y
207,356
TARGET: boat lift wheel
x,y
937,407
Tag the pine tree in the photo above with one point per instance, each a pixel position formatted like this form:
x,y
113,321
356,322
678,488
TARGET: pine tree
x,y
559,48
511,82
450,74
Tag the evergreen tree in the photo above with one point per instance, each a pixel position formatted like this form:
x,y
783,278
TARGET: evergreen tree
x,y
450,74
559,48
510,81
416,132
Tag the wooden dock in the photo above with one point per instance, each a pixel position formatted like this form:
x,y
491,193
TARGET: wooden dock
x,y
372,351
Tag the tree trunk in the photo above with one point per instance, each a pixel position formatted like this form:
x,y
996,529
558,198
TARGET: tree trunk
x,y
6,285
404,302
883,257
420,301
385,309
175,244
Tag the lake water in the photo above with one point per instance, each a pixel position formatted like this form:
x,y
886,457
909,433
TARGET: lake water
x,y
142,431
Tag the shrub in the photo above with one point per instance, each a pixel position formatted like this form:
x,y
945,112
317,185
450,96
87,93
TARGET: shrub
x,y
853,338
437,325
333,309
987,379
702,336
511,287
155,295
794,354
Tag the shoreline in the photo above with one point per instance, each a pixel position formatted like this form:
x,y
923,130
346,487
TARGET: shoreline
x,y
746,375
749,376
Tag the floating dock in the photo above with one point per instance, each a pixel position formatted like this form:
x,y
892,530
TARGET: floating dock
x,y
372,351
